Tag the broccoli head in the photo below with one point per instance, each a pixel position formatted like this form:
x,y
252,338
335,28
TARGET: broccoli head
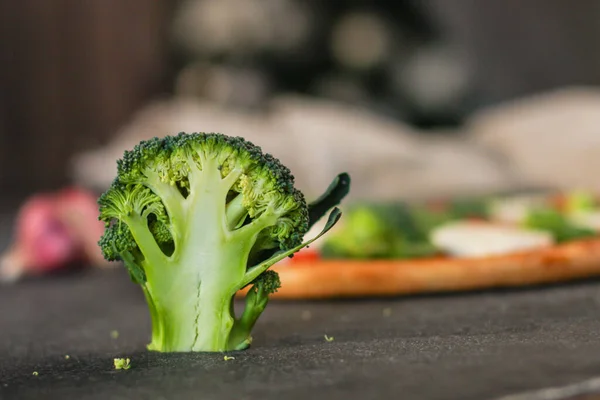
x,y
197,217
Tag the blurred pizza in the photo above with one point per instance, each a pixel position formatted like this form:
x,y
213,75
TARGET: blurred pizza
x,y
390,249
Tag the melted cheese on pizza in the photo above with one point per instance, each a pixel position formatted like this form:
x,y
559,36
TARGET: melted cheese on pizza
x,y
515,209
477,239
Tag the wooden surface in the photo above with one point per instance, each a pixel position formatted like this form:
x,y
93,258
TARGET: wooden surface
x,y
71,72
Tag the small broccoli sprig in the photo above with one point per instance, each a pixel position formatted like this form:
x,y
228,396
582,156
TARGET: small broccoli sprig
x,y
122,363
256,301
197,217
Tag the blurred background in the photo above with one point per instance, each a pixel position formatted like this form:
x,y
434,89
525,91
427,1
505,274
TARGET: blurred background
x,y
413,98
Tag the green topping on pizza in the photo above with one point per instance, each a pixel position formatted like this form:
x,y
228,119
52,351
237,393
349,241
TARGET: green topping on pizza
x,y
388,230
557,223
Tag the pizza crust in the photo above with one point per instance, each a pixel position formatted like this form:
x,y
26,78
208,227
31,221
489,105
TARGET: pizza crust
x,y
374,278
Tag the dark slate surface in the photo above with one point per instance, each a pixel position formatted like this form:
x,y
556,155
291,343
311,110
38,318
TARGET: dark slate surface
x,y
468,346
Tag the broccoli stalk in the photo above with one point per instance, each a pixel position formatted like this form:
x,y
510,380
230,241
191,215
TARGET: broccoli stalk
x,y
197,217
256,302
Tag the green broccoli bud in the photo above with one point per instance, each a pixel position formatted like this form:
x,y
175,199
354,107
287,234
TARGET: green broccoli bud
x,y
197,217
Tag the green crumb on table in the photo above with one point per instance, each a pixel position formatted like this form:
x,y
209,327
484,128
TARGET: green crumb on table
x,y
387,312
122,363
114,334
227,358
67,357
329,338
35,373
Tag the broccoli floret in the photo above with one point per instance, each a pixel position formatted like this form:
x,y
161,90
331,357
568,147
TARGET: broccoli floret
x,y
197,217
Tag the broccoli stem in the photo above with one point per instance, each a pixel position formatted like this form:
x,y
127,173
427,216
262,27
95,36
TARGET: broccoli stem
x,y
210,263
213,325
236,212
169,195
232,176
201,323
147,244
203,320
256,302
157,324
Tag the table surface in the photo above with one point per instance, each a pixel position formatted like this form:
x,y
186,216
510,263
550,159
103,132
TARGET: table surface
x,y
462,346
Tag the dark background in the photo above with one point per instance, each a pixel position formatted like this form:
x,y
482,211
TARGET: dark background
x,y
73,71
